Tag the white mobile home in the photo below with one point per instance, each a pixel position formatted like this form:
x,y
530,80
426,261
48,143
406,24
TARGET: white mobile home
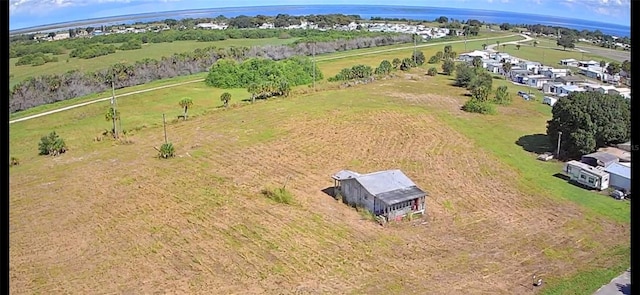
x,y
589,176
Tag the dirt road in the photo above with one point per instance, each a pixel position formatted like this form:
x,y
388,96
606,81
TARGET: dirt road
x,y
200,80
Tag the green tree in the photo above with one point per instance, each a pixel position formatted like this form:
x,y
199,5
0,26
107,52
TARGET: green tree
x,y
477,62
440,55
432,71
518,46
535,43
384,68
613,68
396,62
254,89
52,144
407,64
566,41
484,46
185,103
225,98
447,49
434,59
506,67
502,96
464,75
482,79
112,115
626,67
448,67
481,93
418,57
588,121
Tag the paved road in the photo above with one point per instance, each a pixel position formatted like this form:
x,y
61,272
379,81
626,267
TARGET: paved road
x,y
618,286
200,80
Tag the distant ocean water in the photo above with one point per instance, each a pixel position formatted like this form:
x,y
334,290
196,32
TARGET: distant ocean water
x,y
366,12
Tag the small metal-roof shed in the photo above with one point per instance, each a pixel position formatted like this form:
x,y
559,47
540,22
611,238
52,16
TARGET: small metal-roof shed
x,y
599,159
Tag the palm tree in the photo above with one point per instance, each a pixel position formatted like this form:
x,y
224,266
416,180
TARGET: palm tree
x,y
112,115
535,43
253,88
506,67
518,46
484,46
185,103
225,98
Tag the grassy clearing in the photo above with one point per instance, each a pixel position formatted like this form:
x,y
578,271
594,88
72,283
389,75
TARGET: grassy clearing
x,y
587,281
279,195
548,56
151,50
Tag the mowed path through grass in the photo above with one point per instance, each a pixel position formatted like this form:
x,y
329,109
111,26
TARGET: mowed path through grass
x,y
114,218
149,50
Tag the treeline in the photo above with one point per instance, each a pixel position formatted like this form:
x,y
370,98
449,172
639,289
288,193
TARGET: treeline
x,y
134,41
555,30
51,88
363,72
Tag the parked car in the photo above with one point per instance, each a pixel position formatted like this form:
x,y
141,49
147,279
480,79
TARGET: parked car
x,y
545,157
522,93
618,195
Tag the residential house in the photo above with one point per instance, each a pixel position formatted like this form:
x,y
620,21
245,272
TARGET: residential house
x,y
599,159
517,75
536,81
619,176
570,80
623,91
592,177
605,89
494,67
594,72
390,194
469,56
552,87
533,67
553,73
588,63
569,62
568,89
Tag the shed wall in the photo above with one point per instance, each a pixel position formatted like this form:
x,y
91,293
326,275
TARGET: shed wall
x,y
619,182
354,194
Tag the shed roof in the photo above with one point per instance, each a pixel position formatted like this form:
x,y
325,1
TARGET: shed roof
x,y
570,79
401,195
345,174
620,170
602,156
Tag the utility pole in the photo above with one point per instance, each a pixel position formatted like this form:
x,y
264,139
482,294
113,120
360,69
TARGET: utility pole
x,y
164,125
415,47
114,109
314,65
559,136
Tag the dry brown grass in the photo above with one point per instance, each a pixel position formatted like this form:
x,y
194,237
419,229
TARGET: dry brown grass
x,y
118,220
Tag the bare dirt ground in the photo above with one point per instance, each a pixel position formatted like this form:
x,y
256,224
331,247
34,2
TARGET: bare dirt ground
x,y
120,221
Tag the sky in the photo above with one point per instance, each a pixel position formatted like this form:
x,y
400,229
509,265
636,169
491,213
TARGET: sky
x,y
29,13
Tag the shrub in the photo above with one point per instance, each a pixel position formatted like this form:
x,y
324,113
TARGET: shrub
x,y
432,71
448,67
166,151
279,195
502,96
52,144
480,107
434,59
13,161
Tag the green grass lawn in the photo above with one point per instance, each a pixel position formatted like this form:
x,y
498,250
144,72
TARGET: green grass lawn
x,y
548,56
151,50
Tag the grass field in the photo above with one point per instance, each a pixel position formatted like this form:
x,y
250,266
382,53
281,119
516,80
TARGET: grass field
x,y
548,56
112,217
150,50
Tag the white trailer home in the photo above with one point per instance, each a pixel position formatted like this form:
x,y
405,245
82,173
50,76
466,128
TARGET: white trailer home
x,y
589,176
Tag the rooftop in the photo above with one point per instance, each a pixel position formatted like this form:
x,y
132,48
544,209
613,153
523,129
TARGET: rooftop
x,y
585,167
619,169
602,156
570,79
390,186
